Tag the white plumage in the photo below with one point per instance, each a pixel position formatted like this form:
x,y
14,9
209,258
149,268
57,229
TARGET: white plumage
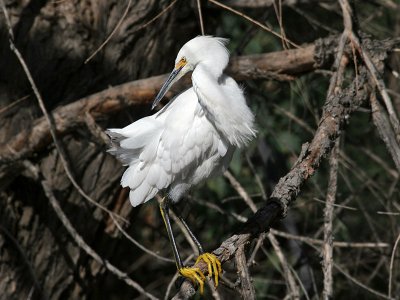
x,y
194,136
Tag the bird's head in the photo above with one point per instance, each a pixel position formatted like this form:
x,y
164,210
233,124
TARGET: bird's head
x,y
208,50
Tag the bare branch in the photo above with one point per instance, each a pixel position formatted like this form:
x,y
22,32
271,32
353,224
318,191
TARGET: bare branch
x,y
241,191
337,110
290,282
112,32
247,288
391,266
385,131
200,16
266,28
327,249
335,244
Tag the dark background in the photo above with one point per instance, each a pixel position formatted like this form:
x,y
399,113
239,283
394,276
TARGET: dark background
x,y
39,258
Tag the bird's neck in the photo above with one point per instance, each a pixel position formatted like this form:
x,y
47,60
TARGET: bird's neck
x,y
223,102
212,68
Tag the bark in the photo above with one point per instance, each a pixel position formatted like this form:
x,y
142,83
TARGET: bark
x,y
55,38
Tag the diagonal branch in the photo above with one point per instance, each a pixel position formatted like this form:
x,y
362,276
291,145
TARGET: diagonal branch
x,y
337,109
339,105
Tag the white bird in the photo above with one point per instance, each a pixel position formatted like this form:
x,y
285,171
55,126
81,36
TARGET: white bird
x,y
191,139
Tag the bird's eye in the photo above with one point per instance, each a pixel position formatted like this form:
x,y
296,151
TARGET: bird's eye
x,y
181,63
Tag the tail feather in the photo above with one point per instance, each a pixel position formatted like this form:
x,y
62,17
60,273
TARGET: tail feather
x,y
136,146
142,194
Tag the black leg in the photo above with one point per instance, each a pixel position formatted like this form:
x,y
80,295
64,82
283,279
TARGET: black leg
x,y
194,239
164,208
192,273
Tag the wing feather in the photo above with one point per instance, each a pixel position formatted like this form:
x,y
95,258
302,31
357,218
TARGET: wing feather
x,y
165,149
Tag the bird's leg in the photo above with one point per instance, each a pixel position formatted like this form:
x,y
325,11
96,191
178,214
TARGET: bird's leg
x,y
213,263
165,215
191,234
194,274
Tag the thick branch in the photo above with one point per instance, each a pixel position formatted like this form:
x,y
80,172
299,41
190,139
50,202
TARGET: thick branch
x,y
336,112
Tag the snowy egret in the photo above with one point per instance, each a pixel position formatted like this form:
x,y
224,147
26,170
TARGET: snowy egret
x,y
191,139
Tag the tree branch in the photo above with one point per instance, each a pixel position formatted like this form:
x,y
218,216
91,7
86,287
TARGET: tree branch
x,y
337,109
327,246
247,288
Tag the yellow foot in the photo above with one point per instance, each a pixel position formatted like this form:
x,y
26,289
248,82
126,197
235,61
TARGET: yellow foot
x,y
197,276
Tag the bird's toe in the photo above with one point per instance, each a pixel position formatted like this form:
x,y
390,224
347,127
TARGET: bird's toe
x,y
195,275
213,264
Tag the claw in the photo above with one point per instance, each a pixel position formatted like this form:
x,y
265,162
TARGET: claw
x,y
213,264
197,276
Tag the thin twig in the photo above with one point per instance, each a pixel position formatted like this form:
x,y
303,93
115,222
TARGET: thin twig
x,y
380,85
291,116
312,20
360,284
357,282
335,244
278,13
12,104
184,232
137,244
257,177
84,246
112,32
327,249
247,288
385,131
266,28
245,281
214,291
391,266
200,16
7,18
156,17
240,190
258,245
381,162
289,279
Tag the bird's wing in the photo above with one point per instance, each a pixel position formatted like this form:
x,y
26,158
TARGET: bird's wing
x,y
162,148
225,106
136,145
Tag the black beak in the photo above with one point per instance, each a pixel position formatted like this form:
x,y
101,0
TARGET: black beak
x,y
166,86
